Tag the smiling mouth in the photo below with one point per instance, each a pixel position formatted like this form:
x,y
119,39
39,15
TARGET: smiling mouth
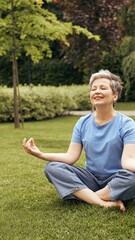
x,y
98,98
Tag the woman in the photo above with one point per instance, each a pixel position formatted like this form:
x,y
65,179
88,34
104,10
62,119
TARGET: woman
x,y
108,139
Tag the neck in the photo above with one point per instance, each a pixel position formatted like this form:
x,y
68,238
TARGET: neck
x,y
104,115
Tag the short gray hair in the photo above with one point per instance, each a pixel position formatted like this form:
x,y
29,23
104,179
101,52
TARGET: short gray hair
x,y
116,83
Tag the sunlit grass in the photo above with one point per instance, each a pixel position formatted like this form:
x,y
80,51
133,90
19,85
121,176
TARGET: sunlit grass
x,y
30,207
129,106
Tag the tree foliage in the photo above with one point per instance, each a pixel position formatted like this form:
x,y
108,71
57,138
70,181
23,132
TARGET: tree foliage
x,y
127,50
26,26
34,28
99,16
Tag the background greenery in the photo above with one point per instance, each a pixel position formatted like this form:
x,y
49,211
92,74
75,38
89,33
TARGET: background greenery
x,y
38,103
30,208
44,102
72,64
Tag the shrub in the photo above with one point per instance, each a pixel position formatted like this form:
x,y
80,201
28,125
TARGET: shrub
x,y
39,103
82,99
6,107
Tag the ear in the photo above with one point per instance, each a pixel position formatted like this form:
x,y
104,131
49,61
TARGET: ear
x,y
115,97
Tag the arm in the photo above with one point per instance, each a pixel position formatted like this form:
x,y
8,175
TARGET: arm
x,y
128,157
71,156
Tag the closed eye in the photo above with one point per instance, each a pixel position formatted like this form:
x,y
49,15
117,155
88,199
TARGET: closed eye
x,y
102,87
93,89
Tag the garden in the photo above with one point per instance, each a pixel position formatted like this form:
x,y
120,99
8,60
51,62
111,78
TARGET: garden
x,y
48,51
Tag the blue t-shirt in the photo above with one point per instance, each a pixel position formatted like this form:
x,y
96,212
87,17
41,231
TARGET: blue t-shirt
x,y
103,145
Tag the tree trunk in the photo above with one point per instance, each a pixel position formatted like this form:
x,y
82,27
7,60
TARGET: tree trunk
x,y
29,70
15,70
15,83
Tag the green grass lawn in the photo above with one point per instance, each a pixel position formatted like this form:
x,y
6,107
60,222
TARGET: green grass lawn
x,y
129,106
30,207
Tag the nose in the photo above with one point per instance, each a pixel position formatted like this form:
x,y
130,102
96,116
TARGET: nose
x,y
98,91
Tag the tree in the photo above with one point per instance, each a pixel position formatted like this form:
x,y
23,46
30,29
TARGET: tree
x,y
127,49
26,26
99,16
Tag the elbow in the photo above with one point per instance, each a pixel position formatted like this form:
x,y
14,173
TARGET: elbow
x,y
129,165
71,159
124,165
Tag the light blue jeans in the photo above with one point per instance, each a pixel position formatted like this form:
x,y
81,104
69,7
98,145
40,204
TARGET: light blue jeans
x,y
68,179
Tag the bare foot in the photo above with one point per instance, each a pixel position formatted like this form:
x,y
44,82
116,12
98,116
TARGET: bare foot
x,y
119,204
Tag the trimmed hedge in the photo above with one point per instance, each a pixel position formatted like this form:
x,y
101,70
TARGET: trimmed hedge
x,y
40,103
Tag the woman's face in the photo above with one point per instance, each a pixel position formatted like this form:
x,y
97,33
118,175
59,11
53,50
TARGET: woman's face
x,y
101,93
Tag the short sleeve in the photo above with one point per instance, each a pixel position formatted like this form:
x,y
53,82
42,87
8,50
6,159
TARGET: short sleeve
x,y
76,135
128,130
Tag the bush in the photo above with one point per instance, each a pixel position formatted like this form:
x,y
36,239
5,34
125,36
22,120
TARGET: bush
x,y
39,103
82,99
6,107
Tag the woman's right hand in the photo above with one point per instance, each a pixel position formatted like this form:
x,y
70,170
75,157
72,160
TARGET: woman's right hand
x,y
30,147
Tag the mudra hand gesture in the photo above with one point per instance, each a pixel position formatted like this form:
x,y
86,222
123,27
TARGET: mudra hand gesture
x,y
30,147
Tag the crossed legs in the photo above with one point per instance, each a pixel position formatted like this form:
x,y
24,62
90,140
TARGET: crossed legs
x,y
100,197
72,181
